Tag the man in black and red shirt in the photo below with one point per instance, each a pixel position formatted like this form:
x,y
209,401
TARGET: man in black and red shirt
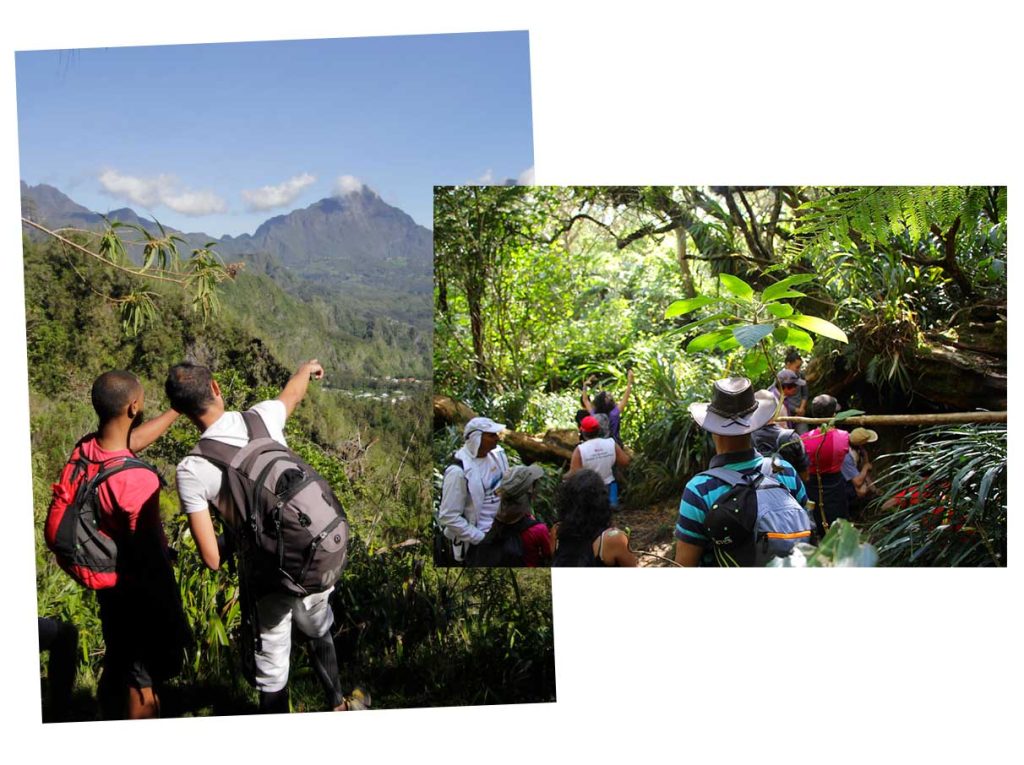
x,y
144,628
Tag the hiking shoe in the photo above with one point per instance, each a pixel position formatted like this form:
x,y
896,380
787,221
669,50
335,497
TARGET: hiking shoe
x,y
357,701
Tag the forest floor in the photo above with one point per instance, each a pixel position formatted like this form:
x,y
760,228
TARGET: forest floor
x,y
650,531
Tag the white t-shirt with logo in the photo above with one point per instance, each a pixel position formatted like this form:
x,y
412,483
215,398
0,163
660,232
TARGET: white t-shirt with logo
x,y
598,454
199,480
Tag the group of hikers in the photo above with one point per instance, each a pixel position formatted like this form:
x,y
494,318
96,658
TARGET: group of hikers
x,y
284,531
767,487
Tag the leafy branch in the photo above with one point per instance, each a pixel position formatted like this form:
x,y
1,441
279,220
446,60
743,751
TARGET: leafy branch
x,y
198,275
753,321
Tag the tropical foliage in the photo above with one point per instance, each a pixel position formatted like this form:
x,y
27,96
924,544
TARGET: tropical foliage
x,y
409,633
894,296
947,500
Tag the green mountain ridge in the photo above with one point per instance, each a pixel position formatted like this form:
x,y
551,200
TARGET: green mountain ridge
x,y
365,331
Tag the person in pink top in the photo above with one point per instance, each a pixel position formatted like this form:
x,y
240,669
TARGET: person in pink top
x,y
144,628
826,449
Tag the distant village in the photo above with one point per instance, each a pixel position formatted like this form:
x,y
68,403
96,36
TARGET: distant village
x,y
387,390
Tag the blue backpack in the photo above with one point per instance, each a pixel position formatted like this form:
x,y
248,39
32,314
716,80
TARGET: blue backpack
x,y
756,520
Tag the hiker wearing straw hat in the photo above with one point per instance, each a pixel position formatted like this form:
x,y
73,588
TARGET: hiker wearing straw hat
x,y
516,538
861,481
745,507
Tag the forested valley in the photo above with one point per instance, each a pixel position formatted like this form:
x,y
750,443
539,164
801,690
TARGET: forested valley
x,y
410,634
894,297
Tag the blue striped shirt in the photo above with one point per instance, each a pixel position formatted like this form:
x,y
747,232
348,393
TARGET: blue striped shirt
x,y
704,490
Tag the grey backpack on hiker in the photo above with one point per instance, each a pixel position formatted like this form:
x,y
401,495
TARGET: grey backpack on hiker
x,y
755,520
292,530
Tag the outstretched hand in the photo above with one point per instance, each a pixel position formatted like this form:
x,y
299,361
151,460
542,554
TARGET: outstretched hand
x,y
316,371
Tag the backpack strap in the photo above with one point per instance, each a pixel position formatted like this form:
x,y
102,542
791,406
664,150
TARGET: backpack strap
x,y
731,477
254,425
221,454
216,452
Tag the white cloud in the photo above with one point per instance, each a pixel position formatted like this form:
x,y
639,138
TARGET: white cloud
x,y
162,189
526,178
487,179
269,197
139,191
347,184
195,203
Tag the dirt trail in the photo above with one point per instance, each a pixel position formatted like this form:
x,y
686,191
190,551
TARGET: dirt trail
x,y
650,531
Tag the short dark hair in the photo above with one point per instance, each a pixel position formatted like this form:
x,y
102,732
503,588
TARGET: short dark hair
x,y
188,388
792,354
112,391
824,406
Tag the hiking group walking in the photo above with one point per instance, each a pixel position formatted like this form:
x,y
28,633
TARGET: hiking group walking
x,y
749,506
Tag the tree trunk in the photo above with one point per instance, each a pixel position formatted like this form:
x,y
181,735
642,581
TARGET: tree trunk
x,y
952,418
476,325
684,263
555,446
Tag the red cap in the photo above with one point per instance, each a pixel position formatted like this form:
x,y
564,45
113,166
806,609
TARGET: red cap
x,y
590,424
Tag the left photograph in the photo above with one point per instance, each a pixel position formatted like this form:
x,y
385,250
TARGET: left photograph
x,y
228,266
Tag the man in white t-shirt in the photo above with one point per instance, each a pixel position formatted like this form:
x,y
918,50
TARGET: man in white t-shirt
x,y
195,394
469,499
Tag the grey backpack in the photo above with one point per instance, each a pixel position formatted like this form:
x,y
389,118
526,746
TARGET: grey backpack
x,y
755,520
292,531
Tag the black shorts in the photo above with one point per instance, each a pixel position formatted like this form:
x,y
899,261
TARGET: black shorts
x,y
145,634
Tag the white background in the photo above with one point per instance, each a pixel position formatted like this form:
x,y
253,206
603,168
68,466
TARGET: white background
x,y
661,665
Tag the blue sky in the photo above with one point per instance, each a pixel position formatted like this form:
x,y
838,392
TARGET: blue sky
x,y
219,137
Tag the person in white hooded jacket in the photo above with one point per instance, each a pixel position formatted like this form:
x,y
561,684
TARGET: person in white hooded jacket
x,y
469,499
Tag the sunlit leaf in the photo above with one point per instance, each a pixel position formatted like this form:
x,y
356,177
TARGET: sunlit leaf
x,y
819,326
786,295
846,414
755,364
780,310
774,292
709,340
737,286
694,324
680,307
795,337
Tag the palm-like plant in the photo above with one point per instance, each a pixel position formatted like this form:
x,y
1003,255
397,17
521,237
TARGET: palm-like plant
x,y
946,502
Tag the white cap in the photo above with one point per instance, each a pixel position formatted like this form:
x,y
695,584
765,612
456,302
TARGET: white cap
x,y
482,424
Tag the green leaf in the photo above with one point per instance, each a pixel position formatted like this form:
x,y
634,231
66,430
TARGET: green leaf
x,y
749,335
774,292
709,340
728,343
819,326
786,294
780,310
737,286
755,364
986,486
681,307
847,413
694,324
795,337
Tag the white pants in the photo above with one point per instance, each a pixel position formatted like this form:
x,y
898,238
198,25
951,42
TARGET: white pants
x,y
313,618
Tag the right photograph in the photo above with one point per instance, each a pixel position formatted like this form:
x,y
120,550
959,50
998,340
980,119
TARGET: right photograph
x,y
732,376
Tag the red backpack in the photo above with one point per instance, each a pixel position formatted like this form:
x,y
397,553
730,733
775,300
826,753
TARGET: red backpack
x,y
72,529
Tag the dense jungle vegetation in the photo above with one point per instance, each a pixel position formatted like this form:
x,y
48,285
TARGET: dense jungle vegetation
x,y
412,635
895,297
